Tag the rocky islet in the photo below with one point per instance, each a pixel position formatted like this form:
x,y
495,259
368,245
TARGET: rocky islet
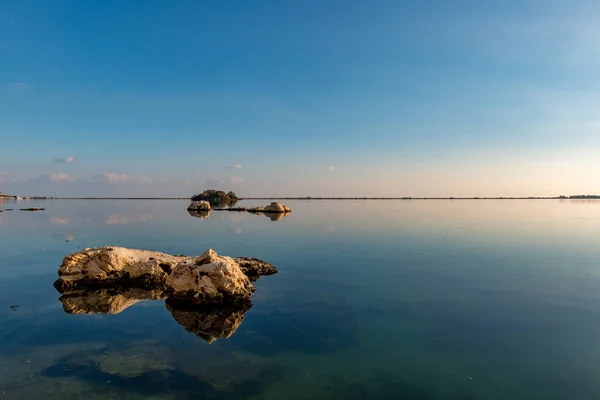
x,y
208,279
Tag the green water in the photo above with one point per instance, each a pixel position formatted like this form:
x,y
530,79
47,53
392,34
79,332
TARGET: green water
x,y
415,300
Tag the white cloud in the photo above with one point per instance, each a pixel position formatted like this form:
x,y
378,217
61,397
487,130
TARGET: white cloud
x,y
236,166
65,160
329,169
228,181
120,179
18,85
56,177
4,176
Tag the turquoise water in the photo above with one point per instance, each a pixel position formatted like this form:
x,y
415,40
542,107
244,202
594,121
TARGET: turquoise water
x,y
415,300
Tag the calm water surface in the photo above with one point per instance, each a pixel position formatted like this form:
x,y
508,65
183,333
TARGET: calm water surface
x,y
417,300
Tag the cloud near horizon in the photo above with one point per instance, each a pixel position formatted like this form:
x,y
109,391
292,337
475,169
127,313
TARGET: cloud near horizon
x,y
18,85
111,178
229,181
65,160
235,166
56,177
4,176
120,179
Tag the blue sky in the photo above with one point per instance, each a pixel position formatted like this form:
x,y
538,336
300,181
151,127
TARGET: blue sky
x,y
316,98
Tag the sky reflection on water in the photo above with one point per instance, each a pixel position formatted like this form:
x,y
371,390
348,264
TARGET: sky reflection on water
x,y
374,299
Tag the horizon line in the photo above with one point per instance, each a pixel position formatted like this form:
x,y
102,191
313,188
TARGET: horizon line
x,y
574,197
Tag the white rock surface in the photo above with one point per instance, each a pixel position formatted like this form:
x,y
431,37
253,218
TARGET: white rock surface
x,y
117,263
210,277
207,278
276,207
199,206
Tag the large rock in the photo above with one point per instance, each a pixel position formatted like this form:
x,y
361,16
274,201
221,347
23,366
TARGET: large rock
x,y
217,198
210,278
199,206
103,266
276,207
206,279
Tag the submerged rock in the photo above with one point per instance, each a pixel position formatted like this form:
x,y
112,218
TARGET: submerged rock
x,y
276,207
239,209
207,279
255,268
199,206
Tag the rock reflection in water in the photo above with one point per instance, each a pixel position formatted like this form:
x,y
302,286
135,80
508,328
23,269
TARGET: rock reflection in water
x,y
202,214
271,216
208,323
222,203
276,216
106,301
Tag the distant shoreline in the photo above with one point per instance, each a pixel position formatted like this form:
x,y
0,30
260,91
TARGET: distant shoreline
x,y
331,198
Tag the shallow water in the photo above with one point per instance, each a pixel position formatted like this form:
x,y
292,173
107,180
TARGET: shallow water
x,y
374,300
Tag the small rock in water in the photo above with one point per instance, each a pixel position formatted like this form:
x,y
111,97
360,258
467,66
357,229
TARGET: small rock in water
x,y
469,378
